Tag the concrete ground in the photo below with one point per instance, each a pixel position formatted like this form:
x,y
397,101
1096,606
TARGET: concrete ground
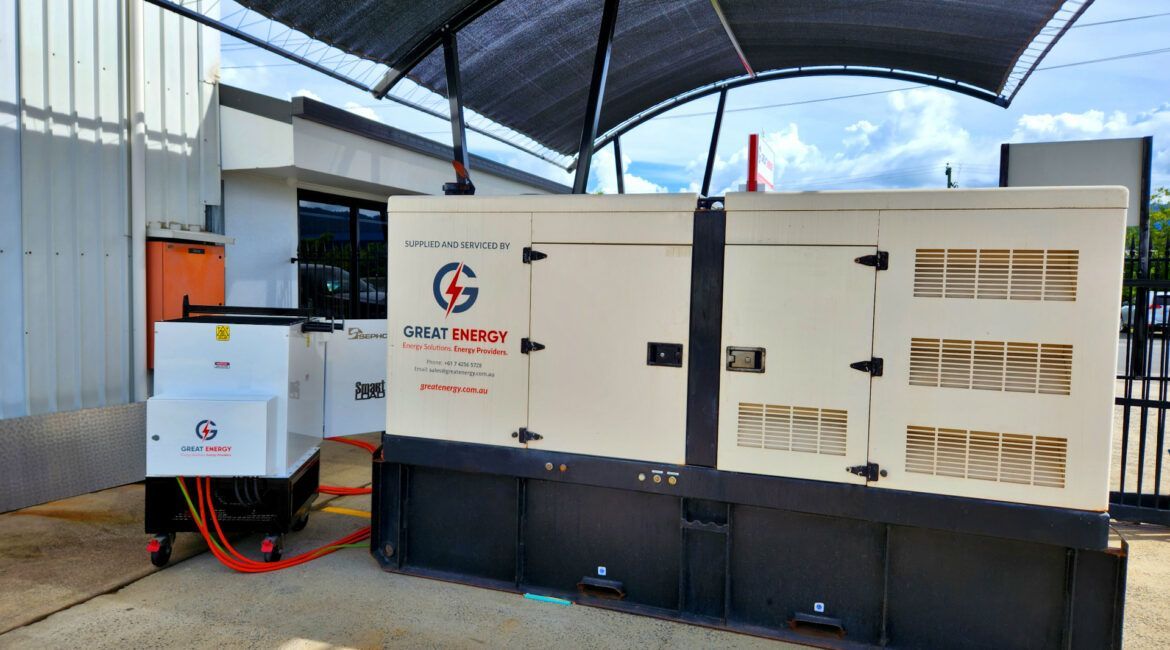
x,y
1147,618
75,573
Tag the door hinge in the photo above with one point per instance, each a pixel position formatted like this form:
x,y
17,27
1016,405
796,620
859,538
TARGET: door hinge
x,y
524,436
528,345
531,256
874,366
870,471
880,260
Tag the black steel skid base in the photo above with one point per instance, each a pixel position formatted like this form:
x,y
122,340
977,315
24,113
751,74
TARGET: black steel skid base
x,y
270,506
814,562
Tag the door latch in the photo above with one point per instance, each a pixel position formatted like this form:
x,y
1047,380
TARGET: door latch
x,y
745,359
880,260
874,366
664,354
528,345
870,471
524,436
531,256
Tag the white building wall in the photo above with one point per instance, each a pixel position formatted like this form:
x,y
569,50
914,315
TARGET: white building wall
x,y
323,149
254,142
260,212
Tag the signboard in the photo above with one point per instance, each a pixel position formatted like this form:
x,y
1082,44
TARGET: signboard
x,y
761,165
355,378
1123,162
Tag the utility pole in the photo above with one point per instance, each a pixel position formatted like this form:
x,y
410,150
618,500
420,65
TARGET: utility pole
x,y
951,184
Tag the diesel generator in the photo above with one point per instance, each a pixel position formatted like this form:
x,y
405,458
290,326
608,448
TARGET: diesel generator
x,y
876,418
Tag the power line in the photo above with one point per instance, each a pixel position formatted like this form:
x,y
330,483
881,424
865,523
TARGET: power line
x,y
1130,55
1120,20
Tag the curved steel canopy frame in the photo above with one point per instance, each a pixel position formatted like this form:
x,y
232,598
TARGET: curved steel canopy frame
x,y
792,73
470,12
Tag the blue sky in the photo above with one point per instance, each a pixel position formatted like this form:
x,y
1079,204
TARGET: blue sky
x,y
891,136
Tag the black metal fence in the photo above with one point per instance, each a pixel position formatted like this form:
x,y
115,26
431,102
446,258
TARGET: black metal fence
x,y
341,279
1140,489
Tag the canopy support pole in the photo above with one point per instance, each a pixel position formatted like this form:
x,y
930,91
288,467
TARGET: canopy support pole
x,y
617,161
714,142
461,159
747,66
596,96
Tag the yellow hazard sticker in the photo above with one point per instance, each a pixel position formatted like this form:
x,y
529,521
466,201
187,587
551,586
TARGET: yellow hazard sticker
x,y
223,332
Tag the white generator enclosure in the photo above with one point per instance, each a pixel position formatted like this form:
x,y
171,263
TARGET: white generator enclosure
x,y
954,342
355,378
235,397
982,324
852,419
559,323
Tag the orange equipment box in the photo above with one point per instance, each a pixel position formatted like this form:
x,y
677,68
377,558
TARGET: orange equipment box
x,y
176,269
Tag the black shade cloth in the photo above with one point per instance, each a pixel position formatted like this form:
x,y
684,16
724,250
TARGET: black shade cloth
x,y
526,64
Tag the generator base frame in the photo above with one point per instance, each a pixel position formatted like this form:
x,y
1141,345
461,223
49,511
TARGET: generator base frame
x,y
823,563
283,504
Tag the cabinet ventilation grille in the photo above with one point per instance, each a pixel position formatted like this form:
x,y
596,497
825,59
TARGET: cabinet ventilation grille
x,y
996,274
992,365
987,456
792,428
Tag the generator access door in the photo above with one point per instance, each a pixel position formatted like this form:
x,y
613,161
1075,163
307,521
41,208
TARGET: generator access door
x,y
458,310
611,317
797,338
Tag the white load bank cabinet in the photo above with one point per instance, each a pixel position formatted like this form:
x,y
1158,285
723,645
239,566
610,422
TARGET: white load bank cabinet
x,y
991,316
235,396
557,322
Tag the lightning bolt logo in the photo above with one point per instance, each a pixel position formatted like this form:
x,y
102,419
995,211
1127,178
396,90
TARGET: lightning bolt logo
x,y
454,290
205,430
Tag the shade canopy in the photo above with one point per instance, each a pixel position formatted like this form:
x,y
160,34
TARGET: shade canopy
x,y
527,64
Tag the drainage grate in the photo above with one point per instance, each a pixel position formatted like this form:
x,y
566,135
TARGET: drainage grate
x,y
792,428
996,274
987,456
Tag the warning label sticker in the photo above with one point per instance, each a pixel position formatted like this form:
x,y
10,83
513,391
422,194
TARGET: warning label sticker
x,y
223,332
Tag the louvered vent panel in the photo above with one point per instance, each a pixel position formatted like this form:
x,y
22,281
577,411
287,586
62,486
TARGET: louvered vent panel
x,y
987,456
991,365
792,428
996,274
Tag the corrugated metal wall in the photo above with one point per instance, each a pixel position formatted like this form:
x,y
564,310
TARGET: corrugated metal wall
x,y
74,204
182,116
74,189
11,285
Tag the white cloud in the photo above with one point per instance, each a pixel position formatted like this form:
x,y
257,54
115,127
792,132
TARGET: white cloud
x,y
304,92
1096,124
363,111
605,173
919,134
910,147
250,78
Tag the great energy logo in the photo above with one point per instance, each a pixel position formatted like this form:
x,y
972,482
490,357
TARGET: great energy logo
x,y
449,298
206,430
